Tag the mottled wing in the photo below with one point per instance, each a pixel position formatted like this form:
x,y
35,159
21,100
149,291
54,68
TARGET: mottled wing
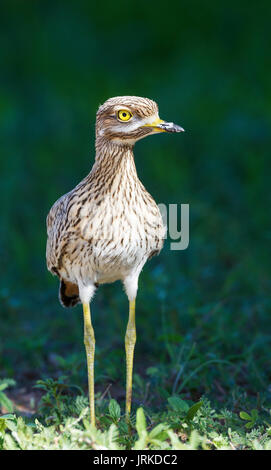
x,y
56,225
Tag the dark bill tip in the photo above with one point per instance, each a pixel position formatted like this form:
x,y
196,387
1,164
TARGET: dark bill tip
x,y
170,127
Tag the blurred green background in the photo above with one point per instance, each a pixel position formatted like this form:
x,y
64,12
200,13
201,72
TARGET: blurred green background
x,y
207,64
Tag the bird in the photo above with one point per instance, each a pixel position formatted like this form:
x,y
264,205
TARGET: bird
x,y
107,227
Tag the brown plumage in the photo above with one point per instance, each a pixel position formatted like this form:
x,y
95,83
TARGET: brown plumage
x,y
107,227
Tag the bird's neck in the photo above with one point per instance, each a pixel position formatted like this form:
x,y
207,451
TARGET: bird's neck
x,y
113,158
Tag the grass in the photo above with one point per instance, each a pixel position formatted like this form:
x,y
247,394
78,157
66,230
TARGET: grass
x,y
62,422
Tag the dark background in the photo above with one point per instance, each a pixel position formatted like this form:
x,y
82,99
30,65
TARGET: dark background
x,y
207,64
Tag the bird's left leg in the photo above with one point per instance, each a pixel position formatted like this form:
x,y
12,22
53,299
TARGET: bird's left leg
x,y
130,340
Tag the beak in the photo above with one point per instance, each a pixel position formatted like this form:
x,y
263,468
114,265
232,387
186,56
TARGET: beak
x,y
163,126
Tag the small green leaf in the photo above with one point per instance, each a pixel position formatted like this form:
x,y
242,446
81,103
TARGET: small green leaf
x,y
153,371
249,425
114,409
5,383
193,410
8,416
245,415
178,405
254,415
5,402
2,425
159,429
140,421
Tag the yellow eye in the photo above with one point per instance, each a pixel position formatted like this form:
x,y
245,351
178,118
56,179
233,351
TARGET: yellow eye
x,y
124,115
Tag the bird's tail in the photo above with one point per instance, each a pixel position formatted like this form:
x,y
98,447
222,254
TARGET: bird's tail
x,y
68,293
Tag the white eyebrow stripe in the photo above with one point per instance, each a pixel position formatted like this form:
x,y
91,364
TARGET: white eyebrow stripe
x,y
135,123
122,108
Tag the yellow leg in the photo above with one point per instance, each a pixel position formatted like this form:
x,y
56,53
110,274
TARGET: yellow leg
x,y
130,339
89,341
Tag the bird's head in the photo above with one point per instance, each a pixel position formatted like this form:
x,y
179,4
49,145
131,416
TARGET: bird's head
x,y
126,119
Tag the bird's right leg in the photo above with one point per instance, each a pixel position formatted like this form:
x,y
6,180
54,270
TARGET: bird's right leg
x,y
89,341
